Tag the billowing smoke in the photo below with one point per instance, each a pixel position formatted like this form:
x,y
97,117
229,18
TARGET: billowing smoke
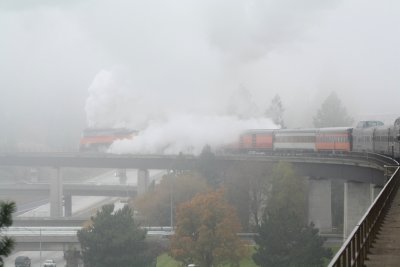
x,y
188,133
166,127
247,30
115,102
190,57
183,83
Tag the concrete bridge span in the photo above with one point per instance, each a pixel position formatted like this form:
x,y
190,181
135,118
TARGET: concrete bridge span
x,y
359,170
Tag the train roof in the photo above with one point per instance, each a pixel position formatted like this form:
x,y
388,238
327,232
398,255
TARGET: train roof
x,y
335,129
107,131
259,131
298,130
369,124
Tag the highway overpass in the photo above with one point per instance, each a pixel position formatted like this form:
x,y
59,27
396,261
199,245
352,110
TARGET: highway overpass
x,y
80,189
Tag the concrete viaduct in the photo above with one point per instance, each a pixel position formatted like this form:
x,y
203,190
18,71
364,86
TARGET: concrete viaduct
x,y
364,175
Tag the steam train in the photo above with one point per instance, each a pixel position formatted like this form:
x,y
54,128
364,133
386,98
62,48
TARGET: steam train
x,y
367,136
100,139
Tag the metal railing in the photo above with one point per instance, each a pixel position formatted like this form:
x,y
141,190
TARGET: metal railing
x,y
356,247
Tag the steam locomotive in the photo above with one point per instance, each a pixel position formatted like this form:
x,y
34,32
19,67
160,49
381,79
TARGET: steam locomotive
x,y
367,136
100,139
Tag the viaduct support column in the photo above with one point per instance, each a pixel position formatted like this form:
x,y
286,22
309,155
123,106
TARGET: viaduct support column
x,y
375,190
56,192
67,205
357,199
319,204
143,181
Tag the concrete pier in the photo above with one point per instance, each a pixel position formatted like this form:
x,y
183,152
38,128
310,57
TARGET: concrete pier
x,y
56,194
67,205
143,181
319,204
357,199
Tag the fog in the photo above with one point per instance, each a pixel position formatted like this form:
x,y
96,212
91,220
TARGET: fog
x,y
200,71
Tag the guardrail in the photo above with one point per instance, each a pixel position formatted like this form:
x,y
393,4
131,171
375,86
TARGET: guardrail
x,y
355,249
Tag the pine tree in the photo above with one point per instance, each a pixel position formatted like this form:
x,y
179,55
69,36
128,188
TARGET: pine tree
x,y
275,111
115,239
207,166
332,113
284,238
6,243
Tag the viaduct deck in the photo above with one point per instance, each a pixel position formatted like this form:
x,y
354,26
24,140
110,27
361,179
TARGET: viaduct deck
x,y
385,251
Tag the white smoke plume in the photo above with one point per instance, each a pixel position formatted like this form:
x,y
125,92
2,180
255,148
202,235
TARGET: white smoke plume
x,y
184,85
113,102
166,127
188,133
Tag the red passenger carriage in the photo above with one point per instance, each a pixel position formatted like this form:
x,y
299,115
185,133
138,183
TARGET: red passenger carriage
x,y
256,140
334,139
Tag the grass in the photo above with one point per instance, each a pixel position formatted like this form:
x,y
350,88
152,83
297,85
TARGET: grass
x,y
166,261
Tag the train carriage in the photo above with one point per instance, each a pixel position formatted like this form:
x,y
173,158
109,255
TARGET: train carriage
x,y
363,140
384,140
295,139
256,140
334,139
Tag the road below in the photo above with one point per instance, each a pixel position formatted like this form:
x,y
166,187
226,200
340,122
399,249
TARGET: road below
x,y
81,206
37,257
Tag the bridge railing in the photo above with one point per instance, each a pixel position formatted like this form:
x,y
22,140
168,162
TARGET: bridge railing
x,y
354,250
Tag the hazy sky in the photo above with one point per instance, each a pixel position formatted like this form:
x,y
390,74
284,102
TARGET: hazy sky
x,y
68,64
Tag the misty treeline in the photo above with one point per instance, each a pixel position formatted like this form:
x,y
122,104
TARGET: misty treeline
x,y
331,113
268,199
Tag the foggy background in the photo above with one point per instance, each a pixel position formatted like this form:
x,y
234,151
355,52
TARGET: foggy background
x,y
185,67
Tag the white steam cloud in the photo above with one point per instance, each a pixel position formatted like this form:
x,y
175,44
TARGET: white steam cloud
x,y
184,80
188,133
190,57
166,127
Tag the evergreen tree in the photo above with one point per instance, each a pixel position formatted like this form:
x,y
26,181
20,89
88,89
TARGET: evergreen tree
x,y
275,111
207,167
332,113
114,239
285,241
284,238
72,257
6,243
